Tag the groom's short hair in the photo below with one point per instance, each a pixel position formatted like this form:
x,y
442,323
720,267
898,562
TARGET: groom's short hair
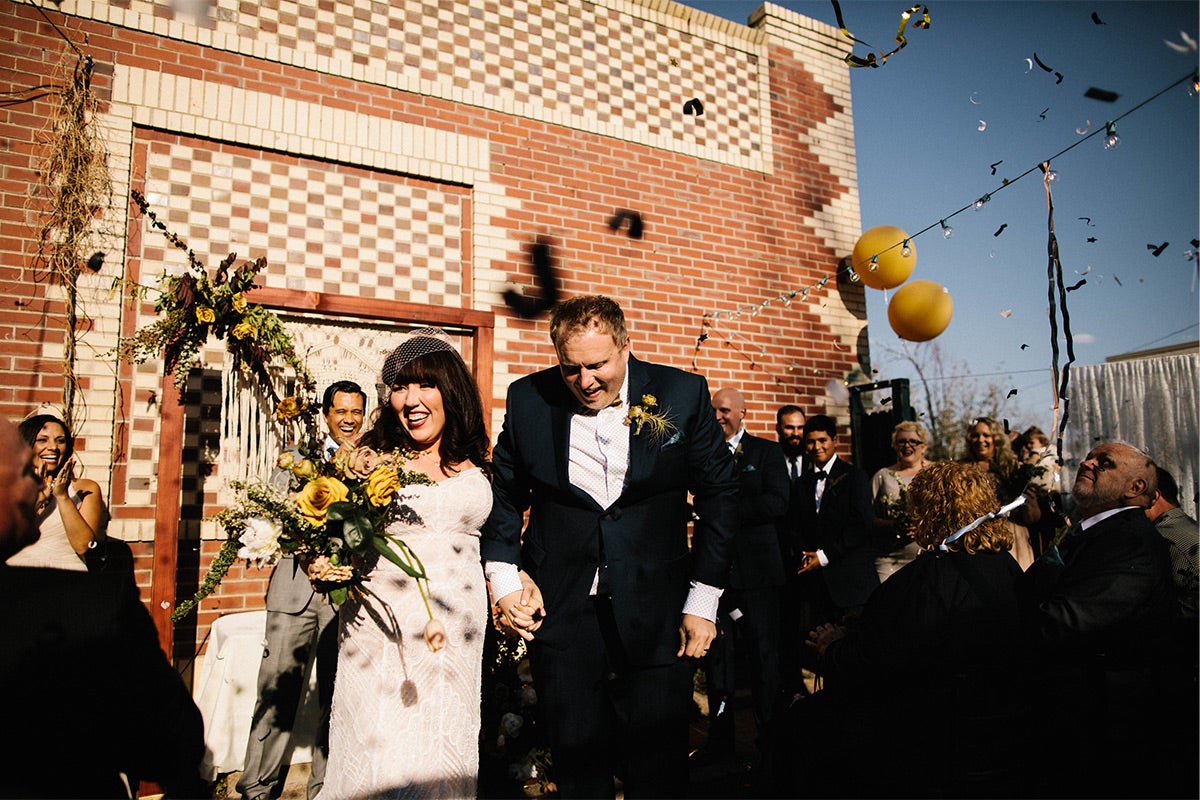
x,y
584,313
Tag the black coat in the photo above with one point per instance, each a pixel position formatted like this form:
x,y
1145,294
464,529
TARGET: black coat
x,y
88,692
644,533
841,529
764,490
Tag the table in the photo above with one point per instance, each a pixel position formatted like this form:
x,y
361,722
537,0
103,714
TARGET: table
x,y
228,688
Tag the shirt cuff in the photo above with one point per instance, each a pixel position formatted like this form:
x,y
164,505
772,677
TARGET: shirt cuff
x,y
503,578
702,601
822,559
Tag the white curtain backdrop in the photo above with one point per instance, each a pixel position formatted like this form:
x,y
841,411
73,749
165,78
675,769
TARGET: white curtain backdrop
x,y
1153,403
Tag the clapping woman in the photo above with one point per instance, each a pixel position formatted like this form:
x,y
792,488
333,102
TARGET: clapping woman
x,y
72,511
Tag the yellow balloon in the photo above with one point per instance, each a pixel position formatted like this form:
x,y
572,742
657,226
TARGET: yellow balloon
x,y
920,311
878,263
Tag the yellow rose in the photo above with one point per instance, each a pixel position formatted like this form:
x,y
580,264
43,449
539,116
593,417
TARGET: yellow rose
x,y
649,401
239,302
304,469
205,315
242,330
286,460
288,408
382,485
318,495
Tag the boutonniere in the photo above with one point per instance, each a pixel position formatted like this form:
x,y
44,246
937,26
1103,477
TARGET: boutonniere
x,y
837,480
658,425
737,454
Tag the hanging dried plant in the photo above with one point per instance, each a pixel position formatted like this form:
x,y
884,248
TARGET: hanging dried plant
x,y
75,190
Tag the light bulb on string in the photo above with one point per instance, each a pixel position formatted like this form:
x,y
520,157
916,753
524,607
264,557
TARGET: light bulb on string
x,y
947,231
875,263
981,202
1051,176
1112,140
905,250
853,276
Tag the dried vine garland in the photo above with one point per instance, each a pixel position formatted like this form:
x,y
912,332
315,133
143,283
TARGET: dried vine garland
x,y
75,189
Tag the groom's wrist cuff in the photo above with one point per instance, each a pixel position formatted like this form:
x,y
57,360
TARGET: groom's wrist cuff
x,y
702,601
503,577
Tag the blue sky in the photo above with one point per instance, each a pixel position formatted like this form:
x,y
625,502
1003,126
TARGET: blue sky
x,y
922,156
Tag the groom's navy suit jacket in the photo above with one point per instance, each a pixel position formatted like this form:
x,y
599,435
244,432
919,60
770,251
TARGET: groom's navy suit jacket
x,y
643,535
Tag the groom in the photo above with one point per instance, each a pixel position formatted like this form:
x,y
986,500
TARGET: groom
x,y
625,603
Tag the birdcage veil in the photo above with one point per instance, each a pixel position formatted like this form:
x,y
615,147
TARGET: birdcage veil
x,y
418,343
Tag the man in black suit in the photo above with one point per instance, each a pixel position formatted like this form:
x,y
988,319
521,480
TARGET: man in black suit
x,y
89,696
789,428
748,621
603,450
1099,606
836,566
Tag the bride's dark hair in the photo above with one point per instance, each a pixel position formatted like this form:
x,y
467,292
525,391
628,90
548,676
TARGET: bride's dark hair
x,y
464,437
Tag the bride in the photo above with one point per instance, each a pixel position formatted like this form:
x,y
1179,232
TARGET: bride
x,y
405,718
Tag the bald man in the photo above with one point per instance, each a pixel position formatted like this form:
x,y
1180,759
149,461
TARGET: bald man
x,y
748,614
1099,608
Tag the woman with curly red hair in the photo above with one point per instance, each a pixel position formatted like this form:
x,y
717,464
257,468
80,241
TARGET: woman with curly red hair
x,y
937,657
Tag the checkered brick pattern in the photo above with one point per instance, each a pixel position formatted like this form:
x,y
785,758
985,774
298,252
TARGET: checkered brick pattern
x,y
322,228
627,75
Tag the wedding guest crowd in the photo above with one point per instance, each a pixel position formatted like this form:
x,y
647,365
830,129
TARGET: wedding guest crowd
x,y
904,634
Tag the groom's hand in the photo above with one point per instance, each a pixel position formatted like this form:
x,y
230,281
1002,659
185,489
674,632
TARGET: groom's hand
x,y
696,635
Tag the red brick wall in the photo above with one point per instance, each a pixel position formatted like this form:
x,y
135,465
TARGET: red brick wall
x,y
717,238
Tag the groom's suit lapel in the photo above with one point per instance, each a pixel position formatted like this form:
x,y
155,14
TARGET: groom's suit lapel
x,y
642,456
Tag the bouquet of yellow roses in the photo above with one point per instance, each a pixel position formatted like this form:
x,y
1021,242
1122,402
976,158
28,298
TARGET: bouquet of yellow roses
x,y
332,509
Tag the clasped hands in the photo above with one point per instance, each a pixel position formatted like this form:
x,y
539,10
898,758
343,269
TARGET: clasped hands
x,y
522,612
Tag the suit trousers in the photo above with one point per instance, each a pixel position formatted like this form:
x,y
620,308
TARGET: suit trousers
x,y
756,635
606,717
282,679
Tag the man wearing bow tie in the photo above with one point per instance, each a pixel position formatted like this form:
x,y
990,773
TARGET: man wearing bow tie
x,y
836,569
617,606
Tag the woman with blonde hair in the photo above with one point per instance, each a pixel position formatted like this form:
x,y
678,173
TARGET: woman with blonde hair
x,y
989,450
937,657
889,487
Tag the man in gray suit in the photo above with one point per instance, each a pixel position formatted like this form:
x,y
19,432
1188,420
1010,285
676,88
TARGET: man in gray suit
x,y
297,620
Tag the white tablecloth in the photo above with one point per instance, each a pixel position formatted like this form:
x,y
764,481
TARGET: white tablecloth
x,y
227,690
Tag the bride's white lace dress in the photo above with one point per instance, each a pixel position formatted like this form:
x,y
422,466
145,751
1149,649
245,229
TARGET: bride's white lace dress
x,y
405,720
